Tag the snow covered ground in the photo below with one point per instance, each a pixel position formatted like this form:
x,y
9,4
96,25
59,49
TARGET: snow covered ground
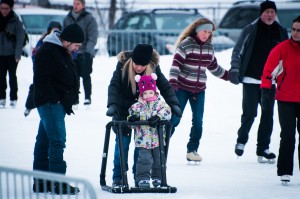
x,y
220,174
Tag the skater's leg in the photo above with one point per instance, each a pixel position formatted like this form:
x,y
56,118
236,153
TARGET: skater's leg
x,y
249,106
266,125
182,97
287,120
197,107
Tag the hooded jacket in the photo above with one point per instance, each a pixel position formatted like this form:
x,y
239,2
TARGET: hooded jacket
x,y
55,77
146,136
120,91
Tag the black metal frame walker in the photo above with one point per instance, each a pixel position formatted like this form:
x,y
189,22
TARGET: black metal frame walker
x,y
164,188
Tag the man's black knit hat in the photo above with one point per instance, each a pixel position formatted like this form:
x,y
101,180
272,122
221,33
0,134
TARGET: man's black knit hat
x,y
73,33
142,54
8,2
266,5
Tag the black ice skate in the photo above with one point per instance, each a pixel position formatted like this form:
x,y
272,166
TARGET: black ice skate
x,y
239,149
285,179
266,157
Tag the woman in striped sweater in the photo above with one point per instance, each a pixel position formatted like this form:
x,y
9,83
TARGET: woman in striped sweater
x,y
194,54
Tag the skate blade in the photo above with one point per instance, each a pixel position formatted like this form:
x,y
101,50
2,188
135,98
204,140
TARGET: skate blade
x,y
193,162
285,182
263,160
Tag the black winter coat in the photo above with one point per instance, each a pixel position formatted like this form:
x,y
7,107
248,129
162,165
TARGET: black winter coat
x,y
55,77
120,93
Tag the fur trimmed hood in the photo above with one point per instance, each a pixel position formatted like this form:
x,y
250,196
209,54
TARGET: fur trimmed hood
x,y
125,55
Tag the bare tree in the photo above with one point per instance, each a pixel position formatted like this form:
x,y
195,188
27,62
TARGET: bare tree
x,y
42,3
112,13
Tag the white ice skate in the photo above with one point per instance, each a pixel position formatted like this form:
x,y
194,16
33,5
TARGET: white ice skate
x,y
193,157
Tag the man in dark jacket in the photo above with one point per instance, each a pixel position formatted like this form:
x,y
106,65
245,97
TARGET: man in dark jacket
x,y
84,56
55,91
12,37
247,62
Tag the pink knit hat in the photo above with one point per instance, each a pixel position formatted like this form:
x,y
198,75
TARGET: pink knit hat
x,y
146,82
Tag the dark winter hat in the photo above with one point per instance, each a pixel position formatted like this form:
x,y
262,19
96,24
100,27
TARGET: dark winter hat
x,y
8,2
146,82
142,54
266,5
54,24
72,33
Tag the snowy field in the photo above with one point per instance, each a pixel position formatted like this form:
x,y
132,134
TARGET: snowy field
x,y
219,176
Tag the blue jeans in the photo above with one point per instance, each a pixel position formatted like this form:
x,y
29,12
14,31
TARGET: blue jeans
x,y
51,139
197,107
117,175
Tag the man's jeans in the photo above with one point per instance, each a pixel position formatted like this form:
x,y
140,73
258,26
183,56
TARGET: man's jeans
x,y
51,139
197,107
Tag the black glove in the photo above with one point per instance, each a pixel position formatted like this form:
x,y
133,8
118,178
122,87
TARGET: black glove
x,y
68,100
67,107
112,110
176,110
234,77
265,99
133,118
153,121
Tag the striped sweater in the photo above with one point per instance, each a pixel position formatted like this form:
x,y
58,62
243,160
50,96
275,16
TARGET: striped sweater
x,y
191,59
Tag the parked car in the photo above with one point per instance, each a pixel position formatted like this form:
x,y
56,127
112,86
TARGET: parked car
x,y
244,12
158,27
35,21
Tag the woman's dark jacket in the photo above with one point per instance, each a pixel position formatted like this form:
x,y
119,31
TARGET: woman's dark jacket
x,y
55,77
120,92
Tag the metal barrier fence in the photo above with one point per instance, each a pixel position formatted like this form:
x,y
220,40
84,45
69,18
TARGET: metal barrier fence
x,y
18,184
113,41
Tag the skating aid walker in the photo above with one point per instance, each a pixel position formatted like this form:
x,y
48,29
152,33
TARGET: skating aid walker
x,y
125,188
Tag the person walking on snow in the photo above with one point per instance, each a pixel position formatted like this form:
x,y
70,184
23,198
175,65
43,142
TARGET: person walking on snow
x,y
12,37
84,56
55,91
